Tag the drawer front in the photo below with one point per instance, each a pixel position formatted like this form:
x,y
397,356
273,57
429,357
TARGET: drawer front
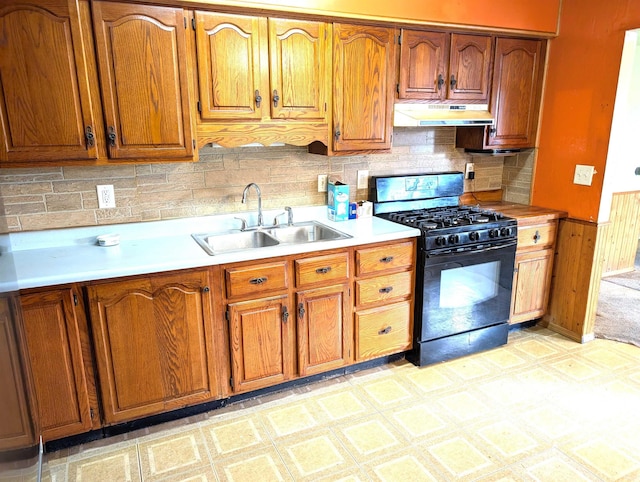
x,y
384,330
383,288
256,280
382,258
540,236
321,269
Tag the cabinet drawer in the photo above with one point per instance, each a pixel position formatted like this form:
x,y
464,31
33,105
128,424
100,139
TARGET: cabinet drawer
x,y
320,269
540,236
383,288
382,258
384,330
256,280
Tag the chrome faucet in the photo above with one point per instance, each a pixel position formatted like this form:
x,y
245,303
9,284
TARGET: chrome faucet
x,y
244,201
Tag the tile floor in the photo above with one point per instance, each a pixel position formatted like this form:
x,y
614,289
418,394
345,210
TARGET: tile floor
x,y
540,408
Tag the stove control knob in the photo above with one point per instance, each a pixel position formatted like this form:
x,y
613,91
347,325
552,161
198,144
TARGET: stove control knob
x,y
454,238
505,232
494,233
474,236
441,241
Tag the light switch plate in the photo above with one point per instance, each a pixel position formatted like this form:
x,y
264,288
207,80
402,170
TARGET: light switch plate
x,y
583,175
322,183
363,179
106,196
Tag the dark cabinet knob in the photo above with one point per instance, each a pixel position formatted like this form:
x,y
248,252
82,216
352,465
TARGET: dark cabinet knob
x,y
453,82
440,81
258,98
276,98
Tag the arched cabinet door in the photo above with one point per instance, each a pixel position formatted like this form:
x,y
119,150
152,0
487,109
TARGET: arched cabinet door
x,y
142,59
46,113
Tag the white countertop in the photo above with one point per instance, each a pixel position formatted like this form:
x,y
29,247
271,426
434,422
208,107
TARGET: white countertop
x,y
46,258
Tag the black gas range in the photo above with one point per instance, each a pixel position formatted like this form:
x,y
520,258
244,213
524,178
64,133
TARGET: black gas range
x,y
466,258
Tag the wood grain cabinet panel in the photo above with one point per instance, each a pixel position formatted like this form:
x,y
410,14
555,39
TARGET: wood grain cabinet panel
x,y
46,112
363,90
332,268
16,421
439,66
384,258
531,284
383,331
57,346
153,343
142,58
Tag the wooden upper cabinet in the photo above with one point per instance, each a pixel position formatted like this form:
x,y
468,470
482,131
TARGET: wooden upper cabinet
x,y
364,83
142,58
154,344
253,68
440,66
232,66
57,346
46,112
516,91
299,56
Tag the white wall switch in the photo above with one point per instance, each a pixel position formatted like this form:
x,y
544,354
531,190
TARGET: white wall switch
x,y
363,180
322,183
470,170
106,196
584,174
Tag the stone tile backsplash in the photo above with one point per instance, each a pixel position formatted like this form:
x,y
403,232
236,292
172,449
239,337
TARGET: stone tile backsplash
x,y
57,197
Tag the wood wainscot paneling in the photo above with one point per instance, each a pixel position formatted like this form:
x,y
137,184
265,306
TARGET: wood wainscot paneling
x,y
576,279
621,234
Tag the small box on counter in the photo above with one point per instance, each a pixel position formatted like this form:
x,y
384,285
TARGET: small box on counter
x,y
365,209
353,210
338,201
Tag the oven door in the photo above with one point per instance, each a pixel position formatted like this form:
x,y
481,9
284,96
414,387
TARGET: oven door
x,y
467,290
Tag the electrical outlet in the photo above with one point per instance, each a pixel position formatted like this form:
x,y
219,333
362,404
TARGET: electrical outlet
x,y
106,196
583,175
322,183
470,171
363,180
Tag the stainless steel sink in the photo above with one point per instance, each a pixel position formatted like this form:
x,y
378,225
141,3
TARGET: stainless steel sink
x,y
234,241
297,233
308,232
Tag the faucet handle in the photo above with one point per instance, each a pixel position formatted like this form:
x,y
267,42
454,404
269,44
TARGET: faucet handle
x,y
289,215
275,219
243,227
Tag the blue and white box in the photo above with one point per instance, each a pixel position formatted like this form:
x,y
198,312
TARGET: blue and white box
x,y
338,201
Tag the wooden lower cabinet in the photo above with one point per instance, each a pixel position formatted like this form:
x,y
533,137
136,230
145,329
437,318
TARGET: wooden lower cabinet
x,y
58,352
153,343
16,421
261,334
383,331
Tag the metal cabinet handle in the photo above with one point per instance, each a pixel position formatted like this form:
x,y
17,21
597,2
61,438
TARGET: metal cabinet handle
x,y
276,98
385,331
301,311
258,281
89,137
111,135
453,81
440,81
258,98
205,289
492,131
337,134
386,259
324,270
285,314
387,289
536,237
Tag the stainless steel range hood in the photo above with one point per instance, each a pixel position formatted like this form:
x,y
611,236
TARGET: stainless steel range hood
x,y
411,115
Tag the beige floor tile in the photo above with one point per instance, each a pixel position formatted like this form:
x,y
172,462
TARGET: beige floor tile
x,y
407,465
419,421
553,465
537,348
460,458
116,466
386,392
202,474
609,359
315,456
343,404
226,437
370,437
466,405
469,367
576,369
607,460
430,379
510,440
503,358
165,456
281,421
259,465
550,421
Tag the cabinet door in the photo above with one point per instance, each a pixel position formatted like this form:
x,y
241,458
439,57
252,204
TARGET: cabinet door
x,y
153,342
469,67
16,430
142,58
261,333
383,330
45,109
299,55
516,90
531,283
423,65
364,79
232,66
56,337
324,333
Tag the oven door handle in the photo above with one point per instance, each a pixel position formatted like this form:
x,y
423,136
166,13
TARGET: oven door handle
x,y
483,249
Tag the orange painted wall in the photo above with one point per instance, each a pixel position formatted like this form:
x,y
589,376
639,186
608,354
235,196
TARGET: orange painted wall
x,y
530,15
578,100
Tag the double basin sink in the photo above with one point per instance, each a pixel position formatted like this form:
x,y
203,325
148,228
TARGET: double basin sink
x,y
296,233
